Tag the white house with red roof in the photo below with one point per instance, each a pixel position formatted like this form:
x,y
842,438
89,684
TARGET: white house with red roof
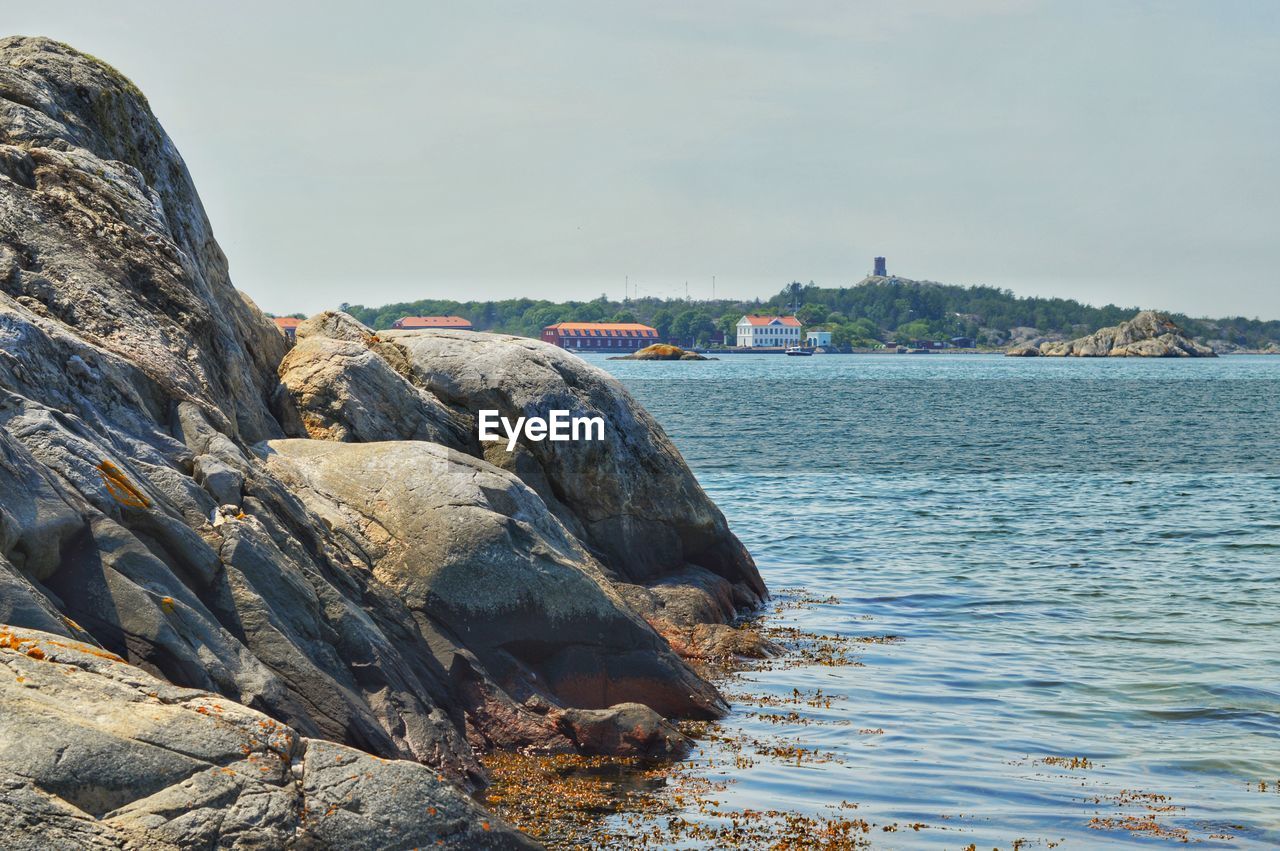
x,y
767,332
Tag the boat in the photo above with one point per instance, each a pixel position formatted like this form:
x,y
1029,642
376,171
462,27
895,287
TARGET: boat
x,y
799,351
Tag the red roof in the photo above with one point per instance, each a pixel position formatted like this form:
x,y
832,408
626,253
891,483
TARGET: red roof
x,y
432,322
758,321
287,321
603,329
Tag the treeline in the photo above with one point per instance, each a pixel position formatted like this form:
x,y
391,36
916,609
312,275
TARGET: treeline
x,y
675,319
869,313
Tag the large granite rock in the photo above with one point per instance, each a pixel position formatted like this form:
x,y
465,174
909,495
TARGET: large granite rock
x,y
1147,335
471,549
345,391
630,497
87,164
137,517
95,753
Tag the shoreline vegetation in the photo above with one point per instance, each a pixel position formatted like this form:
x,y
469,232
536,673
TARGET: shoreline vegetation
x,y
597,803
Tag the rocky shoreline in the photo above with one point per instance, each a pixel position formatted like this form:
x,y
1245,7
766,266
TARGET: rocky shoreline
x,y
281,596
1148,335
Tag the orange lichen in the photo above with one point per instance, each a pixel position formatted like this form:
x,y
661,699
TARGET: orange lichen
x,y
120,488
27,646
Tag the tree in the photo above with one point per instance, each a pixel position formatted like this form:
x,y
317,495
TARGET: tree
x,y
729,325
661,321
682,326
624,315
917,330
592,311
864,328
701,328
811,314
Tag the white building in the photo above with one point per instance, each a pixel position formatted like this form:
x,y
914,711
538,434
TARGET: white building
x,y
756,332
817,338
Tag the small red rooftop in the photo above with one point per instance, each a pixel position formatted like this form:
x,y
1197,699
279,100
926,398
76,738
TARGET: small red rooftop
x,y
287,324
410,323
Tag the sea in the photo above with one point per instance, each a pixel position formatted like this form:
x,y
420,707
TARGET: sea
x,y
1060,579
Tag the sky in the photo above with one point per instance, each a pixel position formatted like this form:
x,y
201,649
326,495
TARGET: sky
x,y
1105,150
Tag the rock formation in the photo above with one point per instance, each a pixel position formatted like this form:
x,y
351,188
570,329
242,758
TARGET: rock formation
x,y
1147,335
315,534
95,753
662,351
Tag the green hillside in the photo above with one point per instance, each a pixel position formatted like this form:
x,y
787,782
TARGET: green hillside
x,y
872,311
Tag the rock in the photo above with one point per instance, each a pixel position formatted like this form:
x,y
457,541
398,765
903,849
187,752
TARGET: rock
x,y
662,351
155,288
344,391
471,548
444,606
36,520
627,729
124,760
223,482
629,497
717,643
1026,350
335,325
1148,335
22,602
687,597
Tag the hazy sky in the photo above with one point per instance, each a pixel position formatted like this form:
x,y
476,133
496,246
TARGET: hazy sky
x,y
375,152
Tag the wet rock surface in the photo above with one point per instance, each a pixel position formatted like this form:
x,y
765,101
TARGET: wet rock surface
x,y
628,729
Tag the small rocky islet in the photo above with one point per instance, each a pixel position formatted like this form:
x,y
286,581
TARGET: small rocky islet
x,y
255,594
662,351
1149,334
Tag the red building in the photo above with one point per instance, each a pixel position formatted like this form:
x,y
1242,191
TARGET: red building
x,y
287,324
600,336
415,323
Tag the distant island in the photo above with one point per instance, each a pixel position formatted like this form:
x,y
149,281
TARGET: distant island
x,y
1150,334
878,309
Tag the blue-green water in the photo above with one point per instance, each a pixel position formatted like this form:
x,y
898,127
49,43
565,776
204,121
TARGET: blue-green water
x,y
1080,557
